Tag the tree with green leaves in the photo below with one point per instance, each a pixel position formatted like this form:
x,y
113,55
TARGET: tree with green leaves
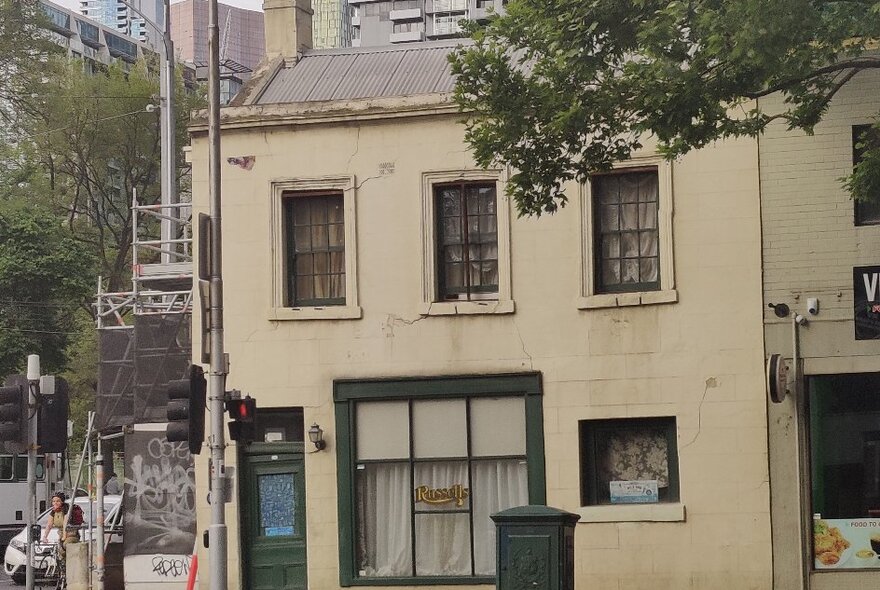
x,y
25,50
562,89
45,276
97,145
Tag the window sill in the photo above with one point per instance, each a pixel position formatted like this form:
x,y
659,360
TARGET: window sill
x,y
331,312
440,308
633,513
627,299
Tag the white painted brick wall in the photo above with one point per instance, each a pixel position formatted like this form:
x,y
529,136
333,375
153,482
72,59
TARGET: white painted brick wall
x,y
810,241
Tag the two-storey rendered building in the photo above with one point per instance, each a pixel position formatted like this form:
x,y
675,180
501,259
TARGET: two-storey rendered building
x,y
458,360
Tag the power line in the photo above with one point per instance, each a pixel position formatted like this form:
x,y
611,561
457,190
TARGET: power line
x,y
95,121
40,331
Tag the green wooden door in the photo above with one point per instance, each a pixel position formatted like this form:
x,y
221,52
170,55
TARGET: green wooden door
x,y
273,522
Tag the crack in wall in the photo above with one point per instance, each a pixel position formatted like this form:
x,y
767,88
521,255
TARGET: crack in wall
x,y
711,382
522,344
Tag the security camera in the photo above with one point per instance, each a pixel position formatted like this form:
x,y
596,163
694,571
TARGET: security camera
x,y
813,305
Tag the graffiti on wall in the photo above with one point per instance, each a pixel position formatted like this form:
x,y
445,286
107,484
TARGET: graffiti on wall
x,y
159,503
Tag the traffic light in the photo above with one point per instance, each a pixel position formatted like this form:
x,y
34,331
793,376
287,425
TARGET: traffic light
x,y
53,415
242,412
186,409
14,410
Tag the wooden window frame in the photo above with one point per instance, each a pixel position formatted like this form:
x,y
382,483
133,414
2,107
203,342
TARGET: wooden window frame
x,y
431,304
590,297
347,393
285,188
591,430
290,200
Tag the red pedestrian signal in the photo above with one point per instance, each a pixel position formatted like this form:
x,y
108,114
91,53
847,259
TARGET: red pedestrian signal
x,y
242,413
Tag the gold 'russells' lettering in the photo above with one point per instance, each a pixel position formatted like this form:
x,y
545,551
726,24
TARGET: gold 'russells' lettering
x,y
456,493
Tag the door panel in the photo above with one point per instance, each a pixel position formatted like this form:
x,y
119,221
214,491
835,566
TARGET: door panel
x,y
273,522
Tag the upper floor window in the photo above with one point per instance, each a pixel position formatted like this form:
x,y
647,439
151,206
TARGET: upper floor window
x,y
467,244
315,249
627,242
314,263
466,237
627,236
866,213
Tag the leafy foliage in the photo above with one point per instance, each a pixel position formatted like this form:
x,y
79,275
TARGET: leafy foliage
x,y
561,89
45,275
25,50
78,143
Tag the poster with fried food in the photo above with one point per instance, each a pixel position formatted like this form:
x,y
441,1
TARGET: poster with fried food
x,y
846,543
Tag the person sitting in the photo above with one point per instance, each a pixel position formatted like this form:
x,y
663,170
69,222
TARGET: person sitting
x,y
68,527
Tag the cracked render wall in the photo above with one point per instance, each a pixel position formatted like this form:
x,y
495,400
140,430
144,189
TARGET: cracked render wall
x,y
699,359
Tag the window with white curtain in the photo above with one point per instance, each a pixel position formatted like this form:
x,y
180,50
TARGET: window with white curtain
x,y
428,472
627,248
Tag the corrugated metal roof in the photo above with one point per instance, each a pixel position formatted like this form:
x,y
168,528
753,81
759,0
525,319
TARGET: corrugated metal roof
x,y
368,72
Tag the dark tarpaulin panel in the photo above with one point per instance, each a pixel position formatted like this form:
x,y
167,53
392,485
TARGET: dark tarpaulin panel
x,y
159,503
136,365
115,397
163,351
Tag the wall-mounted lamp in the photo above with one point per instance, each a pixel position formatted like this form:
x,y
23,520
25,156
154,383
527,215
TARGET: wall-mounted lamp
x,y
316,435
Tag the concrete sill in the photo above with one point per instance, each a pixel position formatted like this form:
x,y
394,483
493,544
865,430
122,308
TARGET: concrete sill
x,y
331,312
440,308
632,513
627,299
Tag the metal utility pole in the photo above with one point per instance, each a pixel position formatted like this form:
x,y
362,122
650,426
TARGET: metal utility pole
x,y
99,519
217,374
33,377
167,136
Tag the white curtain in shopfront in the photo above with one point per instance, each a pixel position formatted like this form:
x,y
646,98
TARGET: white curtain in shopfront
x,y
443,544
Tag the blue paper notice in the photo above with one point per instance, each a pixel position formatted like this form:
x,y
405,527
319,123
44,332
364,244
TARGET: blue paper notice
x,y
642,491
278,531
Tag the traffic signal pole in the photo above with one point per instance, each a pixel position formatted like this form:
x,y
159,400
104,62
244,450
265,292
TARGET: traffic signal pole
x,y
217,376
33,377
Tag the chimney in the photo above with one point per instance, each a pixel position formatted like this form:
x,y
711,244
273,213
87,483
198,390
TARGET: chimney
x,y
288,26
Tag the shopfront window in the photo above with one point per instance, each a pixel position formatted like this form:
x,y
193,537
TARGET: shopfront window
x,y
430,468
845,468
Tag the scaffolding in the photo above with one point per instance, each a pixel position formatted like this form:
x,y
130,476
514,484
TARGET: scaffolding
x,y
144,334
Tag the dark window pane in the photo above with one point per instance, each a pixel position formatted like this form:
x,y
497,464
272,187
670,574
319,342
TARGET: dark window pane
x,y
318,249
865,136
611,272
336,235
304,288
303,238
629,245
626,241
611,246
304,264
467,238
648,270
609,220
630,271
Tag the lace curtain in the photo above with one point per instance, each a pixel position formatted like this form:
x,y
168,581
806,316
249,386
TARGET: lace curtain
x,y
442,540
630,455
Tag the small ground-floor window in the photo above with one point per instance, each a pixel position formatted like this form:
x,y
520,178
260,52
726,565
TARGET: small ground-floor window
x,y
844,413
423,465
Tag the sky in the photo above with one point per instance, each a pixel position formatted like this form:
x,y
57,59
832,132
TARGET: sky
x,y
249,4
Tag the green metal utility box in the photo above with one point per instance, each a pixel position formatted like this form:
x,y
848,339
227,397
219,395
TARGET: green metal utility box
x,y
535,548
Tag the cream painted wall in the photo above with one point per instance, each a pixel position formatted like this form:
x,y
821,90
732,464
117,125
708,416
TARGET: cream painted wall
x,y
700,359
810,245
